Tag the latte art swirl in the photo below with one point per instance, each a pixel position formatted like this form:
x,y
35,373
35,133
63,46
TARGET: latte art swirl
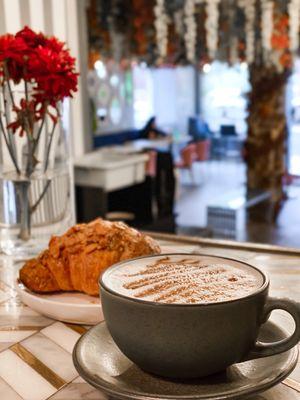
x,y
186,281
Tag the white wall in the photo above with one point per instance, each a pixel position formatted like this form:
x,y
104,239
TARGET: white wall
x,y
66,20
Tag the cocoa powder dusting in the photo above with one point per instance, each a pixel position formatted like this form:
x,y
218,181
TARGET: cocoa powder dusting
x,y
188,281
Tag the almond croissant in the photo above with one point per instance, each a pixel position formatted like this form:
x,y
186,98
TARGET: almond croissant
x,y
75,260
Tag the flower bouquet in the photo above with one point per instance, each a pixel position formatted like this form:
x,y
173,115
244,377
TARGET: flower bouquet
x,y
36,74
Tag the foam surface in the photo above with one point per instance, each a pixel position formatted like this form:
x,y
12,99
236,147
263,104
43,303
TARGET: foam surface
x,y
184,279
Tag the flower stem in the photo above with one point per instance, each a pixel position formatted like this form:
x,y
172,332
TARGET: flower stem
x,y
34,207
29,167
30,140
26,91
49,147
6,76
9,148
7,120
25,215
36,141
36,204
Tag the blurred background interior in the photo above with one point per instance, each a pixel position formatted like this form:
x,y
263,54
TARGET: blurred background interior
x,y
187,118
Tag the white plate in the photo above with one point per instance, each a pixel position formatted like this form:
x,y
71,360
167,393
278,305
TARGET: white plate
x,y
76,308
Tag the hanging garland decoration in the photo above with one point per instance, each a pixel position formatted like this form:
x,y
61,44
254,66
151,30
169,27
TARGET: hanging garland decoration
x,y
175,31
118,21
212,26
178,22
233,51
266,31
161,26
175,47
239,24
201,56
228,35
233,55
143,30
249,9
294,19
281,54
191,30
267,7
98,32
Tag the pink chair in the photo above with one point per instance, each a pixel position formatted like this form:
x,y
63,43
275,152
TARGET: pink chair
x,y
188,156
151,163
203,150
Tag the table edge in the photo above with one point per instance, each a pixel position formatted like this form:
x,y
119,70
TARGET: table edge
x,y
228,244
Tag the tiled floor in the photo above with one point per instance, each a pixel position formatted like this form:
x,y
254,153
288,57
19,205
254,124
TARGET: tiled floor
x,y
214,179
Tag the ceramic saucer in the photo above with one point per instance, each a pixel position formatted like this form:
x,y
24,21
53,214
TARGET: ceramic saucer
x,y
76,308
99,361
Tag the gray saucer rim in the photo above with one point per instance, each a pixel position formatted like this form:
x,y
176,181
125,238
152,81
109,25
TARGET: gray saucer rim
x,y
127,395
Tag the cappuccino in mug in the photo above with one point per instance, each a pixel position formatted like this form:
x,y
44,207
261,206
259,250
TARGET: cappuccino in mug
x,y
190,315
184,279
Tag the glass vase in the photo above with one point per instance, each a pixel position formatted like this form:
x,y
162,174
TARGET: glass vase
x,y
34,208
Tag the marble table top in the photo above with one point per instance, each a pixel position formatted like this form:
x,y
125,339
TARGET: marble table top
x,y
36,352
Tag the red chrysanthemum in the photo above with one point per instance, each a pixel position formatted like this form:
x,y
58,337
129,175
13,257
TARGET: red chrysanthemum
x,y
12,52
31,38
45,65
56,79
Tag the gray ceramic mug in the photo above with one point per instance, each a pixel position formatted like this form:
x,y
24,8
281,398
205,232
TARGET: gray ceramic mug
x,y
193,340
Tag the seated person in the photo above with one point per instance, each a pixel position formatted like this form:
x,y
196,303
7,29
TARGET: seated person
x,y
198,128
150,131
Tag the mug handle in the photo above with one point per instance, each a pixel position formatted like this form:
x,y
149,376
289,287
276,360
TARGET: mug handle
x,y
270,349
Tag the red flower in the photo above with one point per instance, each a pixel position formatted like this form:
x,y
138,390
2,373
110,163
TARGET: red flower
x,y
45,64
12,53
56,79
54,44
36,58
31,38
